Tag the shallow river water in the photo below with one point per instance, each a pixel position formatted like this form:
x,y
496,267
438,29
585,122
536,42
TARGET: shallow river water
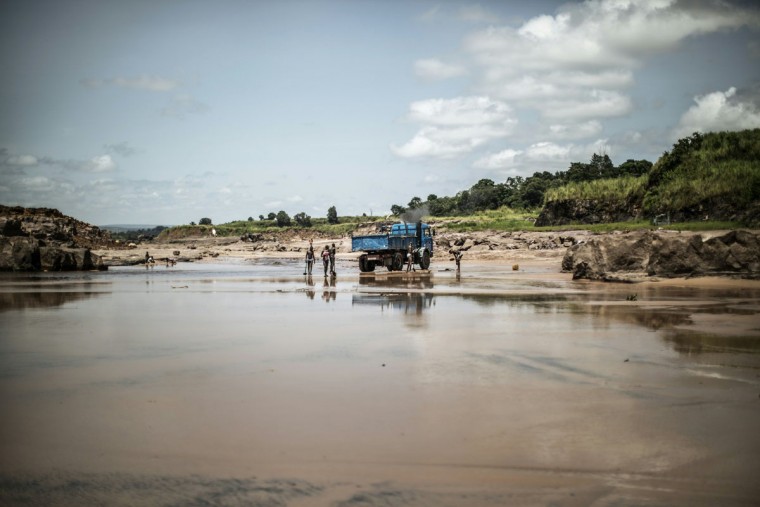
x,y
246,383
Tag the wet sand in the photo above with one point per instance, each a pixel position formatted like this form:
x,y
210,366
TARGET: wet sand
x,y
242,382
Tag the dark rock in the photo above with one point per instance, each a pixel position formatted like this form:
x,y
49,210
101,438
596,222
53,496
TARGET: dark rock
x,y
19,254
11,227
585,211
41,238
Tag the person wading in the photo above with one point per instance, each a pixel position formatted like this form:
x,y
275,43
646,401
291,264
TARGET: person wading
x,y
332,260
309,259
410,259
326,259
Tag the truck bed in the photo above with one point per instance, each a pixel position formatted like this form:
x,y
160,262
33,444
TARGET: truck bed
x,y
380,242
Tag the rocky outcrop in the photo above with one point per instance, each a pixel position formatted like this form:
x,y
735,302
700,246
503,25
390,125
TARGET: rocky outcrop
x,y
501,241
33,239
634,256
51,226
585,211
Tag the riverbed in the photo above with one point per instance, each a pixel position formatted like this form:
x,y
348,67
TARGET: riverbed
x,y
244,382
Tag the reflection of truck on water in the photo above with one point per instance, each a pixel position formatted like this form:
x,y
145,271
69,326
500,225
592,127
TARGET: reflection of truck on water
x,y
389,247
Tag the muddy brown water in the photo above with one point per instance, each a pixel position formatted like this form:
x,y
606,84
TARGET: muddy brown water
x,y
245,383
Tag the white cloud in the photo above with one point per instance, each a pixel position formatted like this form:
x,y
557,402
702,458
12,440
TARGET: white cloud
x,y
144,82
22,160
540,156
101,163
594,104
545,151
37,184
583,130
434,69
460,111
295,198
574,65
453,127
501,160
718,111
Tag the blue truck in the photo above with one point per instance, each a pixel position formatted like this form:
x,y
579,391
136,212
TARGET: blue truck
x,y
389,247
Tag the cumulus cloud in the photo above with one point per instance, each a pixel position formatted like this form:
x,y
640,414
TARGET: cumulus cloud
x,y
453,127
576,64
501,160
144,82
574,68
434,69
540,156
22,160
718,111
101,163
582,130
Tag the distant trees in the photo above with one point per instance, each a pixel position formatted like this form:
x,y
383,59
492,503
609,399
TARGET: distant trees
x,y
302,219
261,217
204,221
398,210
332,215
523,192
282,218
271,216
250,219
415,203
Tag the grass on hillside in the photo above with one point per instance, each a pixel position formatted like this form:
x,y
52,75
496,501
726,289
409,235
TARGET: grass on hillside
x,y
607,190
736,181
502,219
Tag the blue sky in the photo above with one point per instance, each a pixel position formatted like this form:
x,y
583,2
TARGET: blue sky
x,y
167,111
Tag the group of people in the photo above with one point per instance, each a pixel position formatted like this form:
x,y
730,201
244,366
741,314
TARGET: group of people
x,y
150,261
327,255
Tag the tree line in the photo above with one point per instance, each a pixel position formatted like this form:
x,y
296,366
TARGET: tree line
x,y
518,192
282,219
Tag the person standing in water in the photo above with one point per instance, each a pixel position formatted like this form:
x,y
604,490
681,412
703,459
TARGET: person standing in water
x,y
326,258
332,260
309,259
410,259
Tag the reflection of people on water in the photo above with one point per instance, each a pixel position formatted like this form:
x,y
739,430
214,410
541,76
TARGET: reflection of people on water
x,y
328,294
310,293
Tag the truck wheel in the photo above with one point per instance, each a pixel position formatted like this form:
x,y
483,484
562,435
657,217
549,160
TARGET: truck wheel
x,y
363,264
425,259
398,262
